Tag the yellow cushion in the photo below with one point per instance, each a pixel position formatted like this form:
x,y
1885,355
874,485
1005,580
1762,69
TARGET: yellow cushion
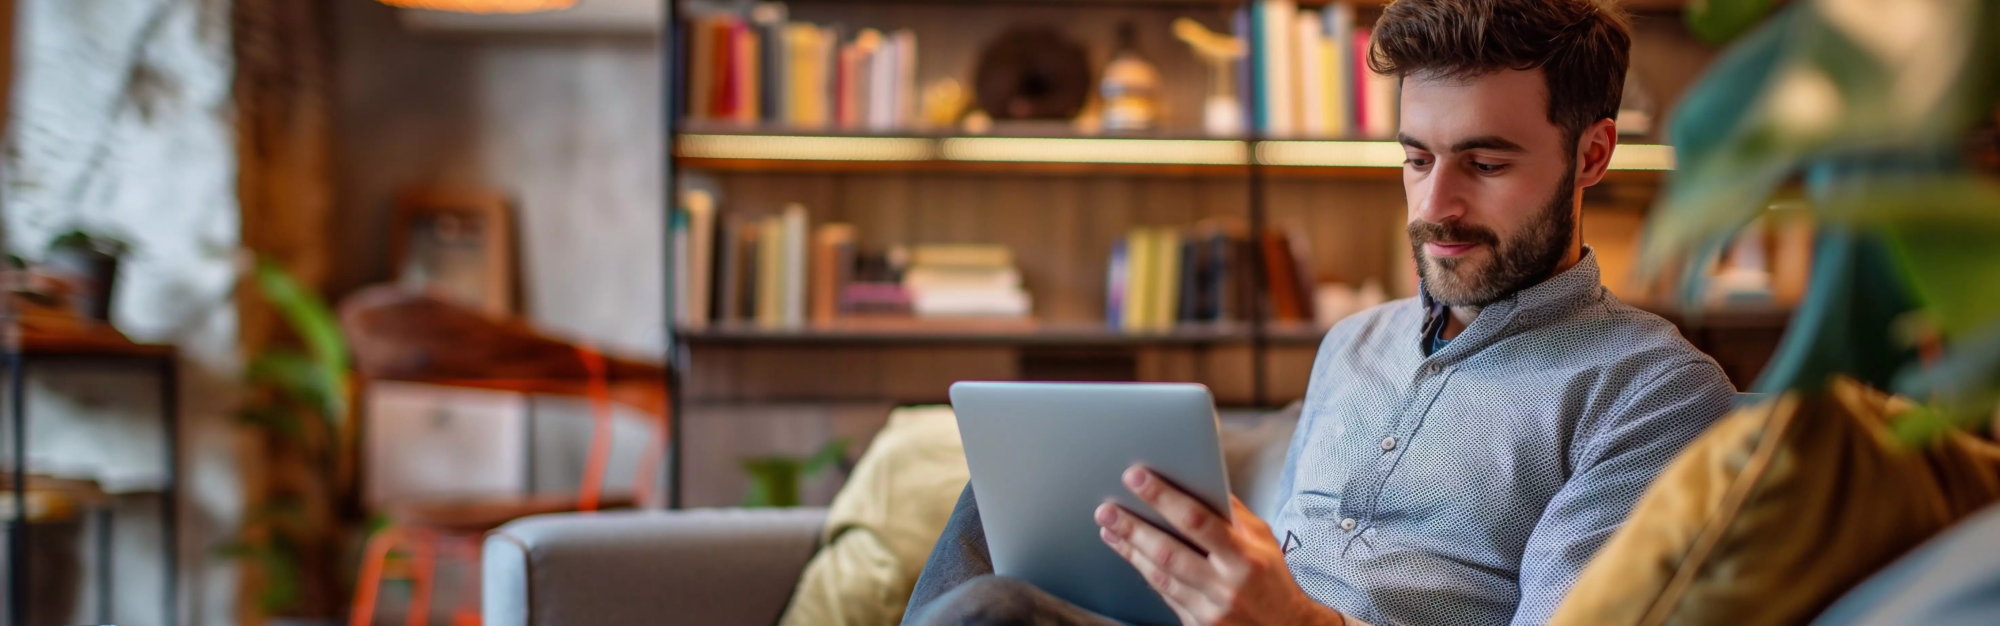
x,y
1776,511
883,524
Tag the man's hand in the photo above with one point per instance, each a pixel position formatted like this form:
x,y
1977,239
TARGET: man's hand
x,y
1242,580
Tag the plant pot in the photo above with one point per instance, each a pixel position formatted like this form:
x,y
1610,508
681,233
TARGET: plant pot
x,y
95,275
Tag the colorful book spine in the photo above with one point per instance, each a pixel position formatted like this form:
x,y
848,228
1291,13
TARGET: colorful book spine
x,y
698,264
1312,78
793,314
1115,282
1140,274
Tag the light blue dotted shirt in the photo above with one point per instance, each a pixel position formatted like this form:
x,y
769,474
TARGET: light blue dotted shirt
x,y
1471,486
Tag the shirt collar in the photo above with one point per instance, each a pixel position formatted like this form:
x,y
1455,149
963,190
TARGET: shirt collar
x,y
1538,304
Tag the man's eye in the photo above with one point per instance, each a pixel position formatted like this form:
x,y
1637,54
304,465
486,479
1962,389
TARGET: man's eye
x,y
1488,168
1416,162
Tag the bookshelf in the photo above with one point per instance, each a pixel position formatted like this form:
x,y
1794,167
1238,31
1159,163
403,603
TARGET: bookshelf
x,y
1060,200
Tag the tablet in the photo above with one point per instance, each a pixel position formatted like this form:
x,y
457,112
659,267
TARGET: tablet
x,y
1045,455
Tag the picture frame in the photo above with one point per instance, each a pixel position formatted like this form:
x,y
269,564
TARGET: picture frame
x,y
457,244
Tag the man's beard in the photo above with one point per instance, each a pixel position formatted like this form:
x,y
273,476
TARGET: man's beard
x,y
1522,261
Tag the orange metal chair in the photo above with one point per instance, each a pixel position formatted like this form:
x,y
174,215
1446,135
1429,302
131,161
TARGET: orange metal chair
x,y
412,337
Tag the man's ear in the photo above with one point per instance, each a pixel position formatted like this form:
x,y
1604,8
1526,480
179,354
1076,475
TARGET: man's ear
x,y
1593,151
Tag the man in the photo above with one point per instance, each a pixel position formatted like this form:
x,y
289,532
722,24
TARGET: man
x,y
1461,455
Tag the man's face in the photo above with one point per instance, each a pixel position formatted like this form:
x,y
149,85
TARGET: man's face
x,y
1491,185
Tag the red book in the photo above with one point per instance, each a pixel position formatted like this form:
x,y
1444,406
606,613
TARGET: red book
x,y
1360,75
722,98
1281,278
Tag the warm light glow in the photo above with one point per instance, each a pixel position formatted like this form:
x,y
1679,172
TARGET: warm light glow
x,y
1153,151
483,6
1390,154
1640,156
1331,153
805,148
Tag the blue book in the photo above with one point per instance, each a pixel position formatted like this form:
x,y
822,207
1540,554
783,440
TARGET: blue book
x,y
1260,117
1239,25
1114,287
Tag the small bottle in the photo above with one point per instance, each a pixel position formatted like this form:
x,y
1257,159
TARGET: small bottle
x,y
1130,89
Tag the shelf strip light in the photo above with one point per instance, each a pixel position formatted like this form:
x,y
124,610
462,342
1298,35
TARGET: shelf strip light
x,y
1390,154
792,148
1146,151
1331,153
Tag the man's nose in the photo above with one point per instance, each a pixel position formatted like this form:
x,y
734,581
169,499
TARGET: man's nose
x,y
1443,197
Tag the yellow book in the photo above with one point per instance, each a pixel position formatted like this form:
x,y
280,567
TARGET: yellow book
x,y
1166,280
1334,60
1139,261
771,273
746,77
807,104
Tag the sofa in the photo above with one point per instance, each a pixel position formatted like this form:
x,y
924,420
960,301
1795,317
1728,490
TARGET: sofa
x,y
727,567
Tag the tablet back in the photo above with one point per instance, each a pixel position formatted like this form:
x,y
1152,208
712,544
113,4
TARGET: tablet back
x,y
1044,456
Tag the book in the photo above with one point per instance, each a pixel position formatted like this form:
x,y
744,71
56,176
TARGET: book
x,y
1384,91
1139,273
949,277
700,257
1308,49
1245,69
722,93
1363,104
883,69
793,274
1339,68
831,267
1166,283
906,77
748,68
1279,17
1114,285
1299,247
771,273
962,255
677,250
1194,277
726,304
768,18
1280,277
701,68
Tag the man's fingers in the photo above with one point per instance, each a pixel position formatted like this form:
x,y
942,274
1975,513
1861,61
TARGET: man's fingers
x,y
1182,598
1145,545
1243,516
1208,530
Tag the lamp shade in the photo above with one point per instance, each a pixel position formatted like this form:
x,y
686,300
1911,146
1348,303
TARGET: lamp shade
x,y
483,6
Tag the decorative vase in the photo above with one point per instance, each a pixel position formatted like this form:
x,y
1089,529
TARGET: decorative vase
x,y
95,274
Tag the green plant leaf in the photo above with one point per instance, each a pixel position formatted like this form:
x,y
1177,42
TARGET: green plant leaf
x,y
829,455
1718,21
317,327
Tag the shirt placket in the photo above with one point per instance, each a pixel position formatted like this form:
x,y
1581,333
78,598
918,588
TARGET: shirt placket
x,y
1358,509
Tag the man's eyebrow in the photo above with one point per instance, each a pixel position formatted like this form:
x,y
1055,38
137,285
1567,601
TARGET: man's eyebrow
x,y
1411,142
1487,142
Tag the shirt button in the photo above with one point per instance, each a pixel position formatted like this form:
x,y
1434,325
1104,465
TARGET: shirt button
x,y
1347,524
1388,443
1434,368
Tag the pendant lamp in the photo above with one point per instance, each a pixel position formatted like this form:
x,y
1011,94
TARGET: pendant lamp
x,y
483,6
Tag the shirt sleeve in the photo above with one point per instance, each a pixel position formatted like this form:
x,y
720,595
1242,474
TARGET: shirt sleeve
x,y
1628,448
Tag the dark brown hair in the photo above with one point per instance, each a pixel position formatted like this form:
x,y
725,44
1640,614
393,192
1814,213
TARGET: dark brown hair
x,y
1581,46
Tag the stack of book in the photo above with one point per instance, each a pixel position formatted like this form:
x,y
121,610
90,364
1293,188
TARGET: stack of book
x,y
1161,277
965,280
1310,68
764,69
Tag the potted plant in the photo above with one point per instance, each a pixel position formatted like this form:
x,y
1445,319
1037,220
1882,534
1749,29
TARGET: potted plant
x,y
295,536
91,261
775,481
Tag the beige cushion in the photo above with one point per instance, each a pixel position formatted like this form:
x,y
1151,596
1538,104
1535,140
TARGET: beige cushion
x,y
883,523
1776,511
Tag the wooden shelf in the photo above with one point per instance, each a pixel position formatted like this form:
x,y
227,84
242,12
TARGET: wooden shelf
x,y
932,333
780,152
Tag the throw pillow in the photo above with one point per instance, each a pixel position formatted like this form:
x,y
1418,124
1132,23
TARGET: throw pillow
x,y
1776,511
883,523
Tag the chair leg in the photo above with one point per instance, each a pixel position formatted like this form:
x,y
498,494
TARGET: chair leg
x,y
369,583
467,613
423,564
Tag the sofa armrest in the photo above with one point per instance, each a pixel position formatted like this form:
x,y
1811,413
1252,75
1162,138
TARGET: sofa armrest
x,y
707,566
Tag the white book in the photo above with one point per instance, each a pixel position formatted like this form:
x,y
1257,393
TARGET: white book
x,y
1311,73
698,262
1384,92
1280,105
794,296
1339,43
906,78
919,278
970,303
882,85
